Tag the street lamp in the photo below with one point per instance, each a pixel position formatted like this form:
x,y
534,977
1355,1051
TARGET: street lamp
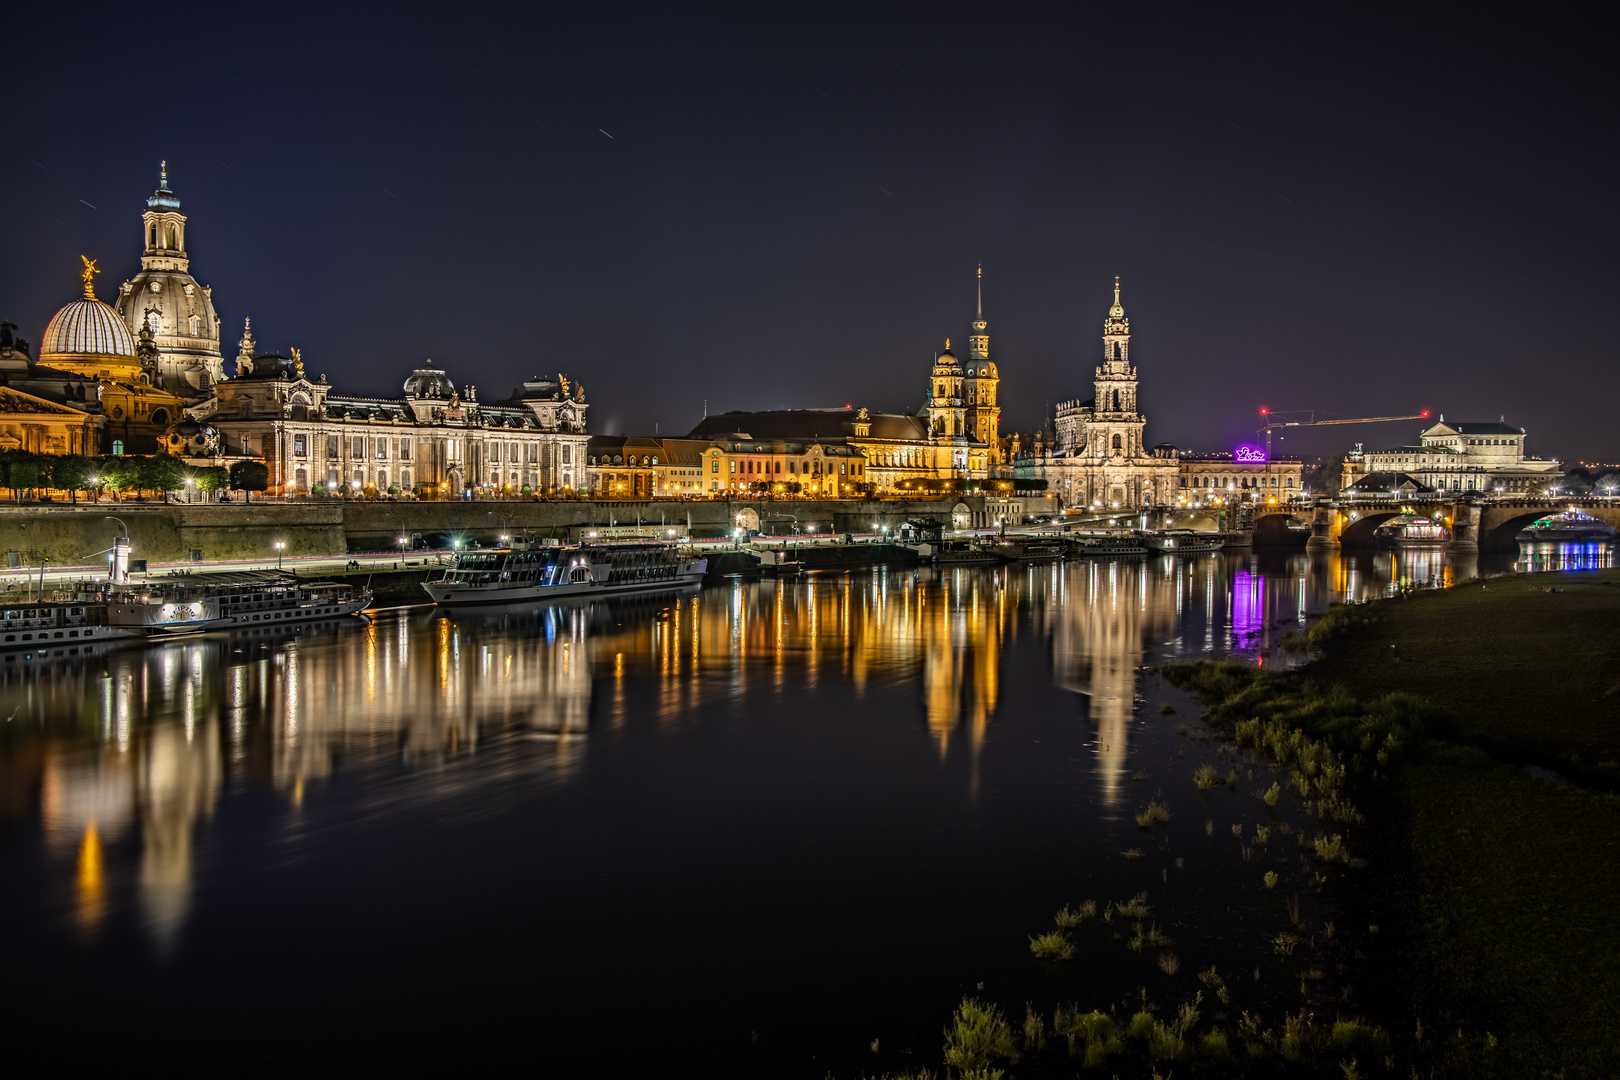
x,y
281,546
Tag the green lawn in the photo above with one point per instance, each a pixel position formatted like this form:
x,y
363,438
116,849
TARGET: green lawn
x,y
1538,670
1496,895
1502,893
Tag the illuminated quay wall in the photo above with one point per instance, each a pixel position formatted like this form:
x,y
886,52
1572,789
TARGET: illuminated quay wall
x,y
64,535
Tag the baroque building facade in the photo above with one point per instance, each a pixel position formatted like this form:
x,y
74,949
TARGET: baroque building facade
x,y
1461,456
1099,459
429,440
147,375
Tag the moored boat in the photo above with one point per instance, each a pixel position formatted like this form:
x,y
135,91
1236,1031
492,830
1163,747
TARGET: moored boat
x,y
1107,545
515,575
1183,541
1032,550
961,553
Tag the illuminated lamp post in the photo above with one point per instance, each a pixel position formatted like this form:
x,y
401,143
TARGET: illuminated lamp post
x,y
281,546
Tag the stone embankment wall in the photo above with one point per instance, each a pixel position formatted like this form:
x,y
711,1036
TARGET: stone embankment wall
x,y
66,535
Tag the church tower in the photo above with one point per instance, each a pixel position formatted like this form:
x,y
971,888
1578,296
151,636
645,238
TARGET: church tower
x,y
167,301
1115,429
981,382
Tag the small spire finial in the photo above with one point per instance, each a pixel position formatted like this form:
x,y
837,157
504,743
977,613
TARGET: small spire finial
x,y
947,344
89,275
981,292
1116,288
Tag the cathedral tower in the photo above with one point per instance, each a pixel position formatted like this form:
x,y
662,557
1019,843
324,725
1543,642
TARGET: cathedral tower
x,y
1116,378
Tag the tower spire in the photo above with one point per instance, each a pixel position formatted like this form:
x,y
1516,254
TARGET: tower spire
x,y
979,339
163,175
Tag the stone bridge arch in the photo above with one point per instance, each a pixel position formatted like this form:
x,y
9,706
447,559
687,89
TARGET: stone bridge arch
x,y
1498,526
1358,532
1273,528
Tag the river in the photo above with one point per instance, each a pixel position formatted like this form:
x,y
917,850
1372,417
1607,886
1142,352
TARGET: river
x,y
759,825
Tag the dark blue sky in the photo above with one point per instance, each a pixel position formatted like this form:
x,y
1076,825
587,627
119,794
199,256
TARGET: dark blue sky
x,y
1348,212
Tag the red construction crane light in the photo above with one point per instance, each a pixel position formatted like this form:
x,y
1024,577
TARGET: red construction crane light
x,y
1269,424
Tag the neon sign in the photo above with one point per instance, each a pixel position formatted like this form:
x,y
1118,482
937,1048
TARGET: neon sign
x,y
1249,455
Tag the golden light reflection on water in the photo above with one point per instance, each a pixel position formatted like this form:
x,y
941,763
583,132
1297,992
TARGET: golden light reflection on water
x,y
134,747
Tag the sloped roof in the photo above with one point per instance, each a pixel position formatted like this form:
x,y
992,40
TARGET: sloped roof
x,y
1386,481
806,425
1470,427
15,401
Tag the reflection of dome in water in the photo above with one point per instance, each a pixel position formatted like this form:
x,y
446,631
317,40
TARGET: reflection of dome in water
x,y
429,382
86,328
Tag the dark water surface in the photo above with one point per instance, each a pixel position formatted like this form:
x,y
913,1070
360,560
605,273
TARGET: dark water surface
x,y
755,826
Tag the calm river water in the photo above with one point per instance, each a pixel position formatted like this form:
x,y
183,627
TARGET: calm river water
x,y
756,825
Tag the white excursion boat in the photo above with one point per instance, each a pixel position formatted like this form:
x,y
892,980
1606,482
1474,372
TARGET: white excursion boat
x,y
255,597
516,575
1108,544
1184,541
103,611
165,607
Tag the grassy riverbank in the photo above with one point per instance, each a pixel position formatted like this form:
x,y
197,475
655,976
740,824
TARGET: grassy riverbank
x,y
1494,892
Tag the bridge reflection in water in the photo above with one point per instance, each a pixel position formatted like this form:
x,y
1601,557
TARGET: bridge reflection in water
x,y
426,715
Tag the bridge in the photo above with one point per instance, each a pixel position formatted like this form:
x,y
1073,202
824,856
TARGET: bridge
x,y
1489,523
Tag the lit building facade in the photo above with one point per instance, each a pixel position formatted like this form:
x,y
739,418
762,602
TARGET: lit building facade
x,y
428,441
1462,456
1237,477
1100,460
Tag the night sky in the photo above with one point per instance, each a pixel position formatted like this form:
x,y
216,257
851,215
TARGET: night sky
x,y
771,207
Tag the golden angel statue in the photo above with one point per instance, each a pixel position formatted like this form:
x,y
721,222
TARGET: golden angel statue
x,y
89,275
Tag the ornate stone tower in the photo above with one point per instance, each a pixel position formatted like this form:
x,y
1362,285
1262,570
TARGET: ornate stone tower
x,y
981,382
945,410
1115,429
165,299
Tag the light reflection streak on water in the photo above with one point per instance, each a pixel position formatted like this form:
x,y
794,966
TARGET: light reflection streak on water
x,y
147,761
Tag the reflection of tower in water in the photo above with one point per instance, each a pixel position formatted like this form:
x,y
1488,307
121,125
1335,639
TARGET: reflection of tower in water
x,y
159,766
1098,629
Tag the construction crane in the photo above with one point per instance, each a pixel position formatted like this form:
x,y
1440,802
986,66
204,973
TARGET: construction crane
x,y
1270,424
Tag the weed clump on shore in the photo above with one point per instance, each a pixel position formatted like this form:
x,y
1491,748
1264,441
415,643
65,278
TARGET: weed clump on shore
x,y
1134,908
1068,918
1052,945
1154,813
978,1037
1205,778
